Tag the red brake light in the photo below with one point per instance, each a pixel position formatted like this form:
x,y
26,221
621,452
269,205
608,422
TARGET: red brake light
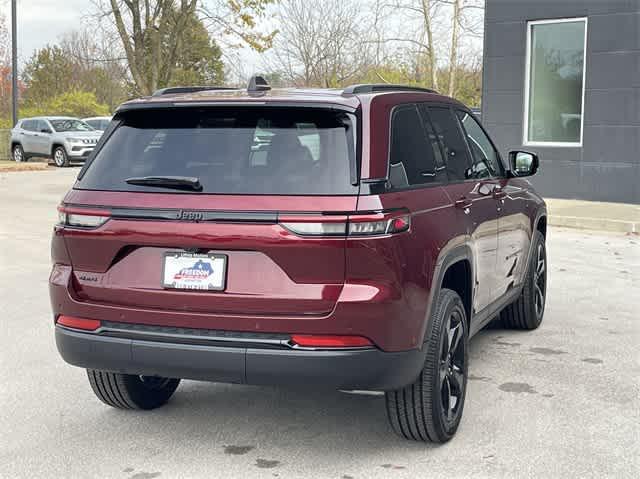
x,y
400,224
78,323
317,341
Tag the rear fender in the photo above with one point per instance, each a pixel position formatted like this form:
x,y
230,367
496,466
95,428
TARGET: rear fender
x,y
448,256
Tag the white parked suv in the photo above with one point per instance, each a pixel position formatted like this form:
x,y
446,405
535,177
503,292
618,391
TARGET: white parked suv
x,y
64,139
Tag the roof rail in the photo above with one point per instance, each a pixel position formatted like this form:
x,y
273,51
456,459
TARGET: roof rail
x,y
188,89
382,87
257,83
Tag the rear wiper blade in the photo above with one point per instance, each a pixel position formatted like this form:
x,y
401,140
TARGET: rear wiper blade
x,y
173,182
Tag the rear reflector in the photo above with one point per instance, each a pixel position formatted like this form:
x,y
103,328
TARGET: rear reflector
x,y
313,341
78,323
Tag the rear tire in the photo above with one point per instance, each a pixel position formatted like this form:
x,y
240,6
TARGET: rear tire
x,y
60,157
125,391
430,409
528,310
18,154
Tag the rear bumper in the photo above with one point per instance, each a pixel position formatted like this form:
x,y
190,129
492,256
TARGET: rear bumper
x,y
369,369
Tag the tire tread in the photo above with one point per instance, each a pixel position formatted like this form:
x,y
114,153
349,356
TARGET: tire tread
x,y
411,409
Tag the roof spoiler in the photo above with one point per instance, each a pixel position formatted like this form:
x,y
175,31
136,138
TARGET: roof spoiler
x,y
383,87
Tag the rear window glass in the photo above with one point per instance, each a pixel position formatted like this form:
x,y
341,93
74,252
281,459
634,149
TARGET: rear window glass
x,y
250,150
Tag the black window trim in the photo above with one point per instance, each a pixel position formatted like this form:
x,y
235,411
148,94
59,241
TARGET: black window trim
x,y
502,174
447,106
452,108
420,186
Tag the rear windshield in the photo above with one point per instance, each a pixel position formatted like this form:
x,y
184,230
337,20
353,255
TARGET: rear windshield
x,y
247,150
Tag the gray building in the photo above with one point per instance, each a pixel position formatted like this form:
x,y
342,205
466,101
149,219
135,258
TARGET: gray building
x,y
562,78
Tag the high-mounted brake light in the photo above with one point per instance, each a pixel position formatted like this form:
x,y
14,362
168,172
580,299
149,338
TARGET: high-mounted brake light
x,y
355,225
82,217
78,323
325,341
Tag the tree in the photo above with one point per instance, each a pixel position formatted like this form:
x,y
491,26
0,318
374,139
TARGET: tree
x,y
418,19
198,58
322,47
48,73
5,74
72,103
76,64
155,34
99,67
462,22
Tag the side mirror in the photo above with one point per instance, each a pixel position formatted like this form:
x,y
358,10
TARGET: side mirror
x,y
523,163
45,130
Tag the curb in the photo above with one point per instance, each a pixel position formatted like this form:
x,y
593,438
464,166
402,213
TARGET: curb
x,y
602,224
24,167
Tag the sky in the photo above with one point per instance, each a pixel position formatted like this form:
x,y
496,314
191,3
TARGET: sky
x,y
43,21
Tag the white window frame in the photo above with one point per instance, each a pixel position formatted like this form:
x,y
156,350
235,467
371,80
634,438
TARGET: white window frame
x,y
527,82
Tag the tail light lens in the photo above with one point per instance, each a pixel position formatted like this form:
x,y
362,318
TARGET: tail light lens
x,y
321,341
374,224
82,217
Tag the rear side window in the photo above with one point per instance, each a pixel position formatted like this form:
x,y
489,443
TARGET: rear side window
x,y
447,130
485,158
250,150
29,125
414,158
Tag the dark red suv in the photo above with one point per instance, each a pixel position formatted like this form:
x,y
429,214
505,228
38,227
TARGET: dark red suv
x,y
353,239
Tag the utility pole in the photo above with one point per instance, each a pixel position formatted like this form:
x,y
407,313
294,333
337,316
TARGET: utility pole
x,y
14,60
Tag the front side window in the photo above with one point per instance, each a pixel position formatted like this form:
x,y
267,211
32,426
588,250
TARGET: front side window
x,y
447,130
485,162
249,150
555,82
413,159
43,125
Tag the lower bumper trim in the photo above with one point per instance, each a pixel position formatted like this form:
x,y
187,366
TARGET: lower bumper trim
x,y
367,369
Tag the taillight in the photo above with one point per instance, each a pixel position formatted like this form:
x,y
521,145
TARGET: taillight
x,y
82,217
78,323
379,224
326,341
373,224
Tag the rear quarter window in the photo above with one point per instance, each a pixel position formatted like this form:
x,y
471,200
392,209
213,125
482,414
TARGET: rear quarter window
x,y
250,150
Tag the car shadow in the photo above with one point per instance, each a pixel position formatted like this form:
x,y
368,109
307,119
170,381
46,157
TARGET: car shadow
x,y
237,417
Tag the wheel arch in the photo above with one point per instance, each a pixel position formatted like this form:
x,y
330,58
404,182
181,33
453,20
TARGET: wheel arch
x,y
454,271
56,145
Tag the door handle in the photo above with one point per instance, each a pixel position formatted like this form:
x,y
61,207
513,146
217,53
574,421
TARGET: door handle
x,y
499,193
463,203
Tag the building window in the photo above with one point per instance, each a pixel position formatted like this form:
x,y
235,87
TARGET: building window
x,y
554,90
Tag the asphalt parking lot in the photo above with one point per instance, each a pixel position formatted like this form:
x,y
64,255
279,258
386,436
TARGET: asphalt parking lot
x,y
562,401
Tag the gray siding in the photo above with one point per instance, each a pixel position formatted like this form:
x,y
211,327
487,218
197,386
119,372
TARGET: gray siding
x,y
607,166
